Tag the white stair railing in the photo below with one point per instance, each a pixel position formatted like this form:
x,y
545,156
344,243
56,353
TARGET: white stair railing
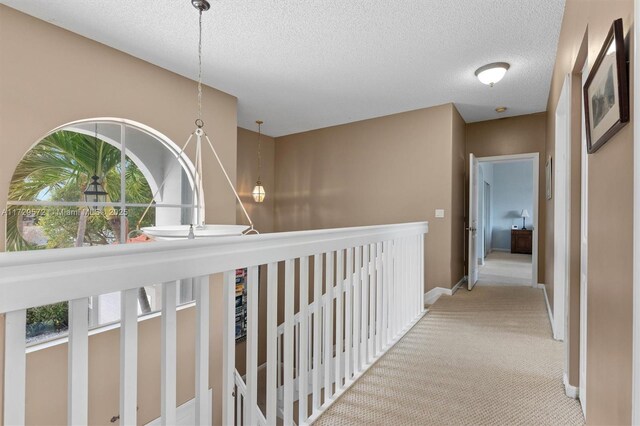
x,y
368,281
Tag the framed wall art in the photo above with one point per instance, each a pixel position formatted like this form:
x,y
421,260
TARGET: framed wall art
x,y
606,91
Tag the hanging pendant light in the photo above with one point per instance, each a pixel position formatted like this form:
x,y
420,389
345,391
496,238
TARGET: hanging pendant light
x,y
258,190
95,193
198,228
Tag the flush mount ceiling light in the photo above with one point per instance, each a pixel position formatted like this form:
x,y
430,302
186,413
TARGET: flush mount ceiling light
x,y
490,74
501,109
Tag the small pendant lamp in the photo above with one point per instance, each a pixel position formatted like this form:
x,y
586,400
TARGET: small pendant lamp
x,y
258,190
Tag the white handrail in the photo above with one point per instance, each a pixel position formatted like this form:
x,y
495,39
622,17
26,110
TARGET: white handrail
x,y
43,277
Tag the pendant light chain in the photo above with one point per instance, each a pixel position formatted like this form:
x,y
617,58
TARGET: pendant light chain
x,y
259,155
199,122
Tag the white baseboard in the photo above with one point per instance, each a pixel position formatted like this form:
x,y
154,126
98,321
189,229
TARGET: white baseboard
x,y
541,286
571,391
434,294
185,413
501,249
546,299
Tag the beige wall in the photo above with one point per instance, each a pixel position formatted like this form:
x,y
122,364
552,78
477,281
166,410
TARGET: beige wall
x,y
390,169
515,135
610,186
51,77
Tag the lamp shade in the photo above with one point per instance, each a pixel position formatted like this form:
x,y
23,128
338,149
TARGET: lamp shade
x,y
95,192
524,213
490,74
258,192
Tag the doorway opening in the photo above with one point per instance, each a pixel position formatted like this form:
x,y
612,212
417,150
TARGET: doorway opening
x,y
504,238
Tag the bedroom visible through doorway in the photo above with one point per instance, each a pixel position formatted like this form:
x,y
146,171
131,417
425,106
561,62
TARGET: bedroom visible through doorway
x,y
506,218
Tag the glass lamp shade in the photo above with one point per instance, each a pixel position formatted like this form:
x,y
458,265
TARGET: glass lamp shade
x,y
492,73
258,192
95,192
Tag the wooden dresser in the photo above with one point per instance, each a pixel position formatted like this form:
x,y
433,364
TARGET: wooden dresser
x,y
521,241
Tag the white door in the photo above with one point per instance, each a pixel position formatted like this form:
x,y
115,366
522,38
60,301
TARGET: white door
x,y
474,195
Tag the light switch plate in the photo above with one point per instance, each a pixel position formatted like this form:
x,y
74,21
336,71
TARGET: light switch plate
x,y
439,213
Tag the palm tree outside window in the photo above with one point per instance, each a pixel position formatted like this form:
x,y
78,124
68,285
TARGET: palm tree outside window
x,y
46,206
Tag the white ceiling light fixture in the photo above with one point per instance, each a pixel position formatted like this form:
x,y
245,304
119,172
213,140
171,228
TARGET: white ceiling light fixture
x,y
490,74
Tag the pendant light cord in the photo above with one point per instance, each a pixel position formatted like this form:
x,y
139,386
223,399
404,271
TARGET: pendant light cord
x,y
259,156
200,122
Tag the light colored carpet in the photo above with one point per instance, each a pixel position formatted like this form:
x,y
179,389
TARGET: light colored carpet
x,y
481,357
501,268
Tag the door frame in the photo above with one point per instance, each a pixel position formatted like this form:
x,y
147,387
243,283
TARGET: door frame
x,y
584,249
635,401
561,172
535,157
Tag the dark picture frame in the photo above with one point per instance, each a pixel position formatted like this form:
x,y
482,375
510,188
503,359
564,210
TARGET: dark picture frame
x,y
606,91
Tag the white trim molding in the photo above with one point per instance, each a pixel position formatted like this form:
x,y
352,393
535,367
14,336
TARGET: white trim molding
x,y
635,401
434,294
546,299
570,390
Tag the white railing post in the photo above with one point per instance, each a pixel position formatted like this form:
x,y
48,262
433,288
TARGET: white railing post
x,y
317,301
364,301
273,370
289,282
339,317
386,258
202,400
357,303
78,363
303,367
379,286
348,322
421,280
251,398
168,355
128,356
328,328
229,347
372,302
15,367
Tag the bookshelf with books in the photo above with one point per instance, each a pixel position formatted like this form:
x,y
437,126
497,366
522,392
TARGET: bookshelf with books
x,y
241,304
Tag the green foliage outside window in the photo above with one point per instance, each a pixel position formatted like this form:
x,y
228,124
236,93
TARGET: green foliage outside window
x,y
58,169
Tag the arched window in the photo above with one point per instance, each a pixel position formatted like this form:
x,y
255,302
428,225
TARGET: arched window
x,y
146,182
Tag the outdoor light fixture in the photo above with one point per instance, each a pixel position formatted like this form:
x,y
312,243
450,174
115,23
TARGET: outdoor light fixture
x,y
95,193
524,214
492,73
258,190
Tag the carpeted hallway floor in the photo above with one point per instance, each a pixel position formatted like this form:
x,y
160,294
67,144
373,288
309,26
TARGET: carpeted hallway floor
x,y
502,268
481,357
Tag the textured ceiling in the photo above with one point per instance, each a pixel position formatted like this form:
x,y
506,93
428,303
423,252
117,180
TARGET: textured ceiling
x,y
301,65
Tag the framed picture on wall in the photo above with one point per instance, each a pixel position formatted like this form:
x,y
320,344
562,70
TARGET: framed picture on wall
x,y
606,91
548,172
